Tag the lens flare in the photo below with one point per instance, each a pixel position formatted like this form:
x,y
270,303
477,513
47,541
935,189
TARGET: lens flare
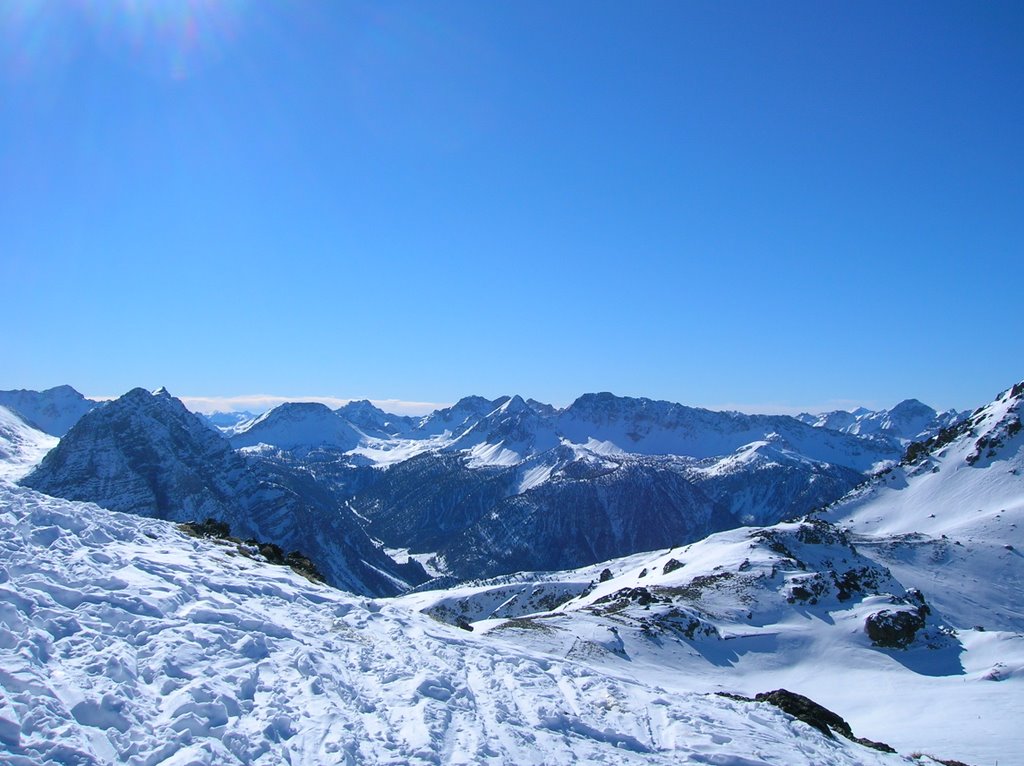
x,y
169,38
176,38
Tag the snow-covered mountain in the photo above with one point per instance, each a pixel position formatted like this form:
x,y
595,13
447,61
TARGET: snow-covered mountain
x,y
766,481
21,446
650,427
528,487
374,421
510,433
458,418
52,411
146,454
492,486
299,427
909,421
123,641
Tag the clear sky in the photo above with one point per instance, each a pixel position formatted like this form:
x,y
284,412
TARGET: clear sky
x,y
760,205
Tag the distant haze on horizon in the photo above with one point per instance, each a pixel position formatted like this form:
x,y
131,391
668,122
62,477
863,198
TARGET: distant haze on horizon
x,y
259,403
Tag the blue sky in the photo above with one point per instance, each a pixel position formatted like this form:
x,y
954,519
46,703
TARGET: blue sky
x,y
764,205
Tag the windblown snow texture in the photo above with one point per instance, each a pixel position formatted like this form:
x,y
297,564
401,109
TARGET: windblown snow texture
x,y
122,641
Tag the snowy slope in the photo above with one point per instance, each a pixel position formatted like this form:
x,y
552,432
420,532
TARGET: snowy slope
x,y
786,606
52,411
952,520
121,640
21,446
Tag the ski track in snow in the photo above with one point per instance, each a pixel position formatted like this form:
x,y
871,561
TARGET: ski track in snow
x,y
122,640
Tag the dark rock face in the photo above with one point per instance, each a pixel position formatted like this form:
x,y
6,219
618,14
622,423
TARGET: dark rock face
x,y
775,488
810,712
897,628
478,521
146,454
485,520
893,629
567,523
807,710
425,501
671,566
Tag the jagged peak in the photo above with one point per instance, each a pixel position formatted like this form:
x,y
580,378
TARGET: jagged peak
x,y
513,405
541,407
135,395
359,405
1015,391
152,402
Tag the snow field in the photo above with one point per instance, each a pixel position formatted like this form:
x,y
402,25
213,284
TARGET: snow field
x,y
121,640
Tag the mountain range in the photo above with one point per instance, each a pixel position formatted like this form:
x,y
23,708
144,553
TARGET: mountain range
x,y
909,421
481,488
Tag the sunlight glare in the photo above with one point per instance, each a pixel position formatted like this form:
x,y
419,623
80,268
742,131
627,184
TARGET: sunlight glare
x,y
174,38
168,38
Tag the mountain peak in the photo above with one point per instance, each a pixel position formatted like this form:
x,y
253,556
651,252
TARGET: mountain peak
x,y
52,411
473,402
598,397
912,408
358,404
514,404
64,390
299,426
1014,392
